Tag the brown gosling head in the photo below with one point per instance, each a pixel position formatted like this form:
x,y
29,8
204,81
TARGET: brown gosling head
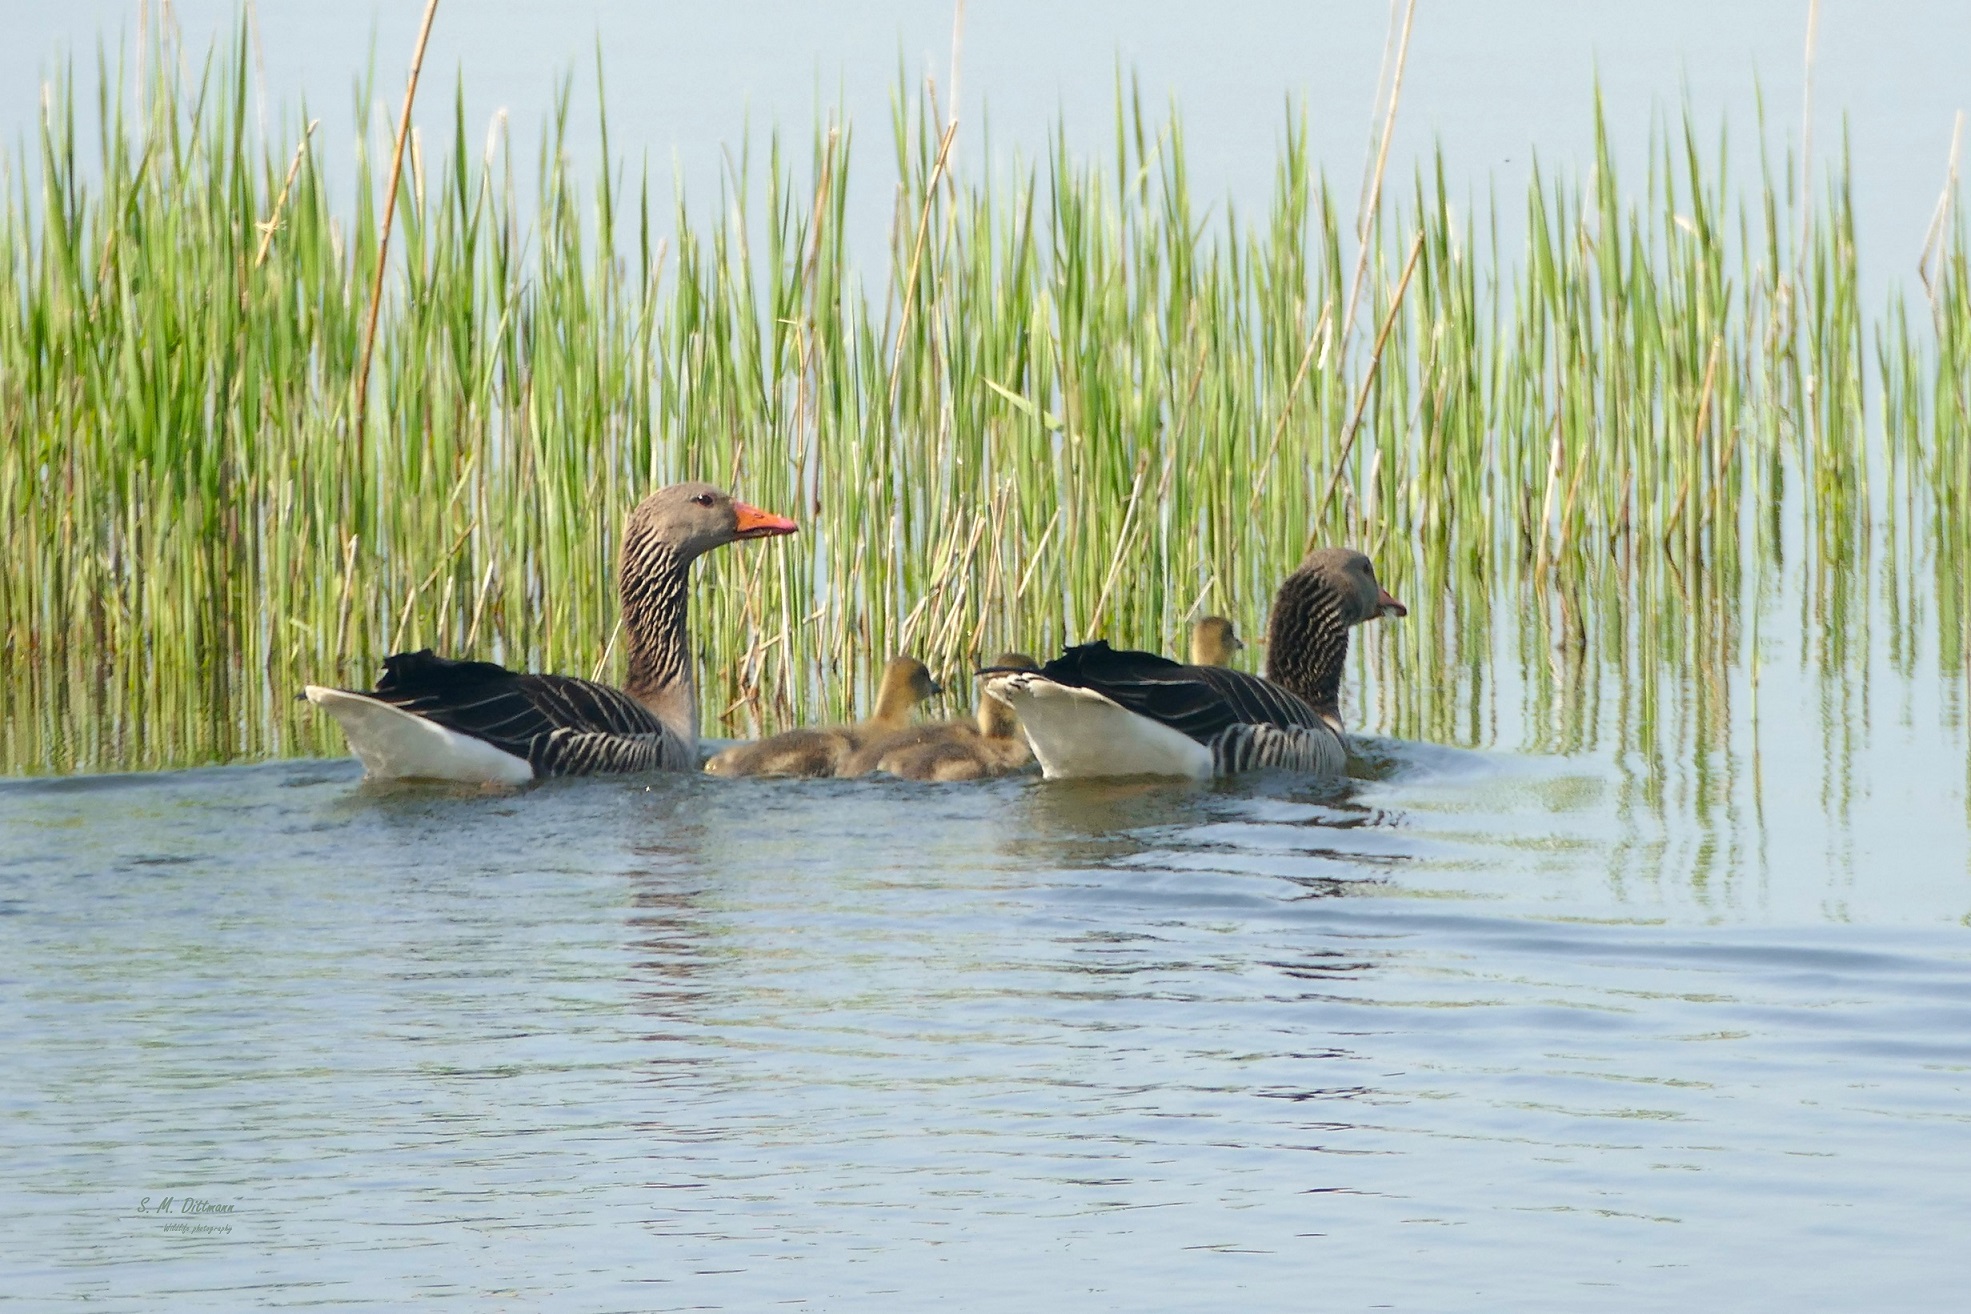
x,y
693,518
1213,641
996,719
906,683
1351,575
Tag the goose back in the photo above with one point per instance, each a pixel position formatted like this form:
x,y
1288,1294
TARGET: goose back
x,y
1201,702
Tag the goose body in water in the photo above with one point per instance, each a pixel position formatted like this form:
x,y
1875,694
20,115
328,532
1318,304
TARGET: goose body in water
x,y
988,745
1097,711
821,750
430,717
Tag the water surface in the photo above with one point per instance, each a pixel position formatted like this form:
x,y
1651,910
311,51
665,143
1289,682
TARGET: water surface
x,y
1412,1042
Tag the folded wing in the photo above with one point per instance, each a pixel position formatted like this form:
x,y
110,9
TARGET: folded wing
x,y
559,724
1202,702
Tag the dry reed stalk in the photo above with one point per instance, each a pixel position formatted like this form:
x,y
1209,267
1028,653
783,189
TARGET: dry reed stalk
x,y
1122,542
389,216
273,223
1034,558
909,289
608,651
1933,236
479,608
1696,435
1314,340
1547,499
995,581
1372,203
1807,135
1368,382
348,593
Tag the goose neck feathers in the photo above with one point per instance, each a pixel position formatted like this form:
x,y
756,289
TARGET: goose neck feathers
x,y
654,597
1307,638
666,532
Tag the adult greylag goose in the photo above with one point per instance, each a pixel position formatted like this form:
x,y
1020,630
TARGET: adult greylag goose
x,y
431,717
1096,711
1213,641
990,744
820,750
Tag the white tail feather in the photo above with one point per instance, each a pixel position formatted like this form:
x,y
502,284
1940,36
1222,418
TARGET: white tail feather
x,y
394,744
1078,733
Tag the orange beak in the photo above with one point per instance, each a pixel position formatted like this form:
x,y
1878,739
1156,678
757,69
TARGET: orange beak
x,y
755,523
1388,606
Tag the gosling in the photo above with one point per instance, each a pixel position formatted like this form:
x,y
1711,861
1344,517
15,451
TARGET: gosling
x,y
821,750
1213,641
953,750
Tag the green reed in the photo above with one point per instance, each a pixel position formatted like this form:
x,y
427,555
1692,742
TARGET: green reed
x,y
1074,403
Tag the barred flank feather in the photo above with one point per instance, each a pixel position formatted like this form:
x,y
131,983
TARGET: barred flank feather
x,y
1318,751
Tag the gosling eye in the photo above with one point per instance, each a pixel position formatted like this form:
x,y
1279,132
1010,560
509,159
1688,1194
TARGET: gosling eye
x,y
704,499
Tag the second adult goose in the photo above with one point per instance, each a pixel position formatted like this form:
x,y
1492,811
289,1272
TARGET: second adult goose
x,y
821,750
432,717
1096,711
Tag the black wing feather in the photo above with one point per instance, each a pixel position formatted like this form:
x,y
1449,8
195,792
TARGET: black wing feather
x,y
529,716
1199,701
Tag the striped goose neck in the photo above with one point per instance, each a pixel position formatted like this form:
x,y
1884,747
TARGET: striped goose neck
x,y
653,591
1307,642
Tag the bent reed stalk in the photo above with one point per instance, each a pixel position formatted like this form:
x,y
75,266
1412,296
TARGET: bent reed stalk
x,y
1068,398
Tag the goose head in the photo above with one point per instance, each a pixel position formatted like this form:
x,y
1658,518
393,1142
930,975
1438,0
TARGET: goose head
x,y
1351,577
691,519
1213,641
906,683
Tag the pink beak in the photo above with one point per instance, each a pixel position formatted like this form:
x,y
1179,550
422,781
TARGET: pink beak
x,y
1388,606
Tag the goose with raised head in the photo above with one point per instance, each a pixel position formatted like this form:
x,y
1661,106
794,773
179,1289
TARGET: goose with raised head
x,y
1213,641
820,750
990,744
430,717
1097,711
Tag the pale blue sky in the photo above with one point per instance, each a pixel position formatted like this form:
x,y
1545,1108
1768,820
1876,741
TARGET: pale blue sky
x,y
1492,80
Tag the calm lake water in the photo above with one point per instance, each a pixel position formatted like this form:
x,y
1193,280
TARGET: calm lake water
x,y
684,1043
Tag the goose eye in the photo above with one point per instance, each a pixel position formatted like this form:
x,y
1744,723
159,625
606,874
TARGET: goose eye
x,y
703,499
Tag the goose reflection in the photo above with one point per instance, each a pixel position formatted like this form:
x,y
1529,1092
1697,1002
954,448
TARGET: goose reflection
x,y
1101,821
1316,837
670,926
